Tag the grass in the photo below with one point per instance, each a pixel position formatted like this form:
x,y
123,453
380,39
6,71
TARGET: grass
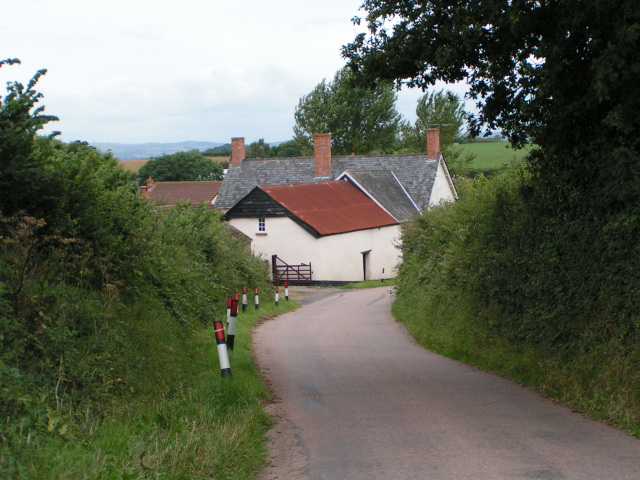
x,y
492,156
602,383
371,284
209,428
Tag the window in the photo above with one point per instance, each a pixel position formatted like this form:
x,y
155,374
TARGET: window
x,y
262,225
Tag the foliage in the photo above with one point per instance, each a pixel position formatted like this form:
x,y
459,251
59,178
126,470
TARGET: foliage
x,y
289,148
560,74
483,283
527,62
547,261
105,314
261,149
439,109
360,120
442,110
180,167
20,181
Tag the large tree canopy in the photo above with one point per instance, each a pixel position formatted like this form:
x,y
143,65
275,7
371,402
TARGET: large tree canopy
x,y
543,70
360,120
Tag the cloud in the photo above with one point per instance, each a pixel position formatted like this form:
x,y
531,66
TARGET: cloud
x,y
138,71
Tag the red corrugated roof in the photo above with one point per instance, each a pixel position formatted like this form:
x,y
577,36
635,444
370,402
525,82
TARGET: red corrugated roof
x,y
330,207
170,193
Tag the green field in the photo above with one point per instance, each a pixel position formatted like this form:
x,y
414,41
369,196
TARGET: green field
x,y
492,156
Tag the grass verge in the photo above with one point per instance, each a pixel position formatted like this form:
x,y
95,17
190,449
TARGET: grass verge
x,y
602,382
209,428
371,284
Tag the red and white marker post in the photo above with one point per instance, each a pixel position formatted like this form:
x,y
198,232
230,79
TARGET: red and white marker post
x,y
286,290
223,354
277,295
231,334
382,277
244,298
257,298
229,299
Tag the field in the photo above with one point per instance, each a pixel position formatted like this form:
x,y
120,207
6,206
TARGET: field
x,y
492,156
135,165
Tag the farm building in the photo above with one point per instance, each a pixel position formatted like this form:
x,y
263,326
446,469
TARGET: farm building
x,y
294,196
323,226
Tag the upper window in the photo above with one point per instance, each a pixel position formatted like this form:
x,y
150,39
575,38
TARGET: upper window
x,y
262,226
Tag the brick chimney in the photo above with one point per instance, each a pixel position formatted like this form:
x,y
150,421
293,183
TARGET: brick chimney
x,y
144,190
237,150
433,143
150,184
322,154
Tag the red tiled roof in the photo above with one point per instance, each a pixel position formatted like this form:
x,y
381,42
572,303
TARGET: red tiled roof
x,y
170,193
330,207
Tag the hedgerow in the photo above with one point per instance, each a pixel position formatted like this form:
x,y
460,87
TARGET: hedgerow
x,y
548,299
105,305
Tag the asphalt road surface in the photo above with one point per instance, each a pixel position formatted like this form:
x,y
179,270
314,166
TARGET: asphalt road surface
x,y
358,399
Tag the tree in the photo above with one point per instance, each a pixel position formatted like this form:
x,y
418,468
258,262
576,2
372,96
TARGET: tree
x,y
181,166
533,66
360,120
436,109
287,149
259,149
560,74
21,185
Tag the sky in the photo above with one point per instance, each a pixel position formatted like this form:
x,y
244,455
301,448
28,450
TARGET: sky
x,y
139,71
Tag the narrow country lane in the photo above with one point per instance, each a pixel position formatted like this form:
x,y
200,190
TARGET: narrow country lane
x,y
357,399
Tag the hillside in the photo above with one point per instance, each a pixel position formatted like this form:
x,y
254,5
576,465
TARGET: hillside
x,y
491,156
136,151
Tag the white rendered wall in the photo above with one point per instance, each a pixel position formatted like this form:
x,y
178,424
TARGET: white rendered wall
x,y
441,191
333,258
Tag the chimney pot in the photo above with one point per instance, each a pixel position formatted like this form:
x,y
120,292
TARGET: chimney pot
x,y
322,154
433,143
150,183
237,150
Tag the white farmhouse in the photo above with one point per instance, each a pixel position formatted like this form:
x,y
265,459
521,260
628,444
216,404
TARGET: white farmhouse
x,y
339,214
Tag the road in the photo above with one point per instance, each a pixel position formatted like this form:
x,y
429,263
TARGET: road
x,y
358,399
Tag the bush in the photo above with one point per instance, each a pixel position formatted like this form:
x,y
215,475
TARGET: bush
x,y
551,301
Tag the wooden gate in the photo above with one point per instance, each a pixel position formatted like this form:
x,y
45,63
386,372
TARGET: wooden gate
x,y
294,274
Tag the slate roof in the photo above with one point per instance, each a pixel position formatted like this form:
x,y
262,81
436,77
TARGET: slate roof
x,y
384,187
170,193
414,172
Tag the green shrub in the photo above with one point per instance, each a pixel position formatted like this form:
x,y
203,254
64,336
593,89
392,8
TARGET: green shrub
x,y
551,301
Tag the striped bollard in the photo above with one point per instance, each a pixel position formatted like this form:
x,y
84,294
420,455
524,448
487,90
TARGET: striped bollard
x,y
286,290
244,298
229,299
231,334
223,354
382,278
277,295
257,298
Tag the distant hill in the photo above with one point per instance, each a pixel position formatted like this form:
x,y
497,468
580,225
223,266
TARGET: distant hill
x,y
136,151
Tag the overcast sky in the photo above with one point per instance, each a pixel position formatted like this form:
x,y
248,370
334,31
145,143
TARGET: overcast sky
x,y
137,71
